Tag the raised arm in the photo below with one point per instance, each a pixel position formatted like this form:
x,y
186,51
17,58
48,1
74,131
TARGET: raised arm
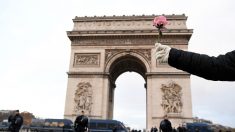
x,y
221,68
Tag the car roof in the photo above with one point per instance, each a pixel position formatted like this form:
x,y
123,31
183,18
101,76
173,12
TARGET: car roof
x,y
65,121
197,124
104,121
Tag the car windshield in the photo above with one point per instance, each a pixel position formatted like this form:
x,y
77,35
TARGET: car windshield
x,y
122,125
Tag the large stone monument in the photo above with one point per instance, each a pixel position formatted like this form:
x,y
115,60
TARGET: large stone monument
x,y
102,48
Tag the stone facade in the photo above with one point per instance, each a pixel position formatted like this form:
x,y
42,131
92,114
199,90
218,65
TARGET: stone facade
x,y
102,48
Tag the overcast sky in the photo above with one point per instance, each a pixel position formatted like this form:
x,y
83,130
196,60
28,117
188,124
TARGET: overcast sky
x,y
35,52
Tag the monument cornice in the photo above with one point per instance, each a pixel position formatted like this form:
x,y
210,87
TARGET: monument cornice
x,y
127,17
86,73
129,40
128,32
167,73
98,33
147,74
73,74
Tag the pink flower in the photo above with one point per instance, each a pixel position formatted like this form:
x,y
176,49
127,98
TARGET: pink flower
x,y
160,23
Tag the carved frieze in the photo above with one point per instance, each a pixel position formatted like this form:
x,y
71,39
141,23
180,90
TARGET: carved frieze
x,y
117,24
111,52
128,41
146,53
112,25
171,98
83,59
83,98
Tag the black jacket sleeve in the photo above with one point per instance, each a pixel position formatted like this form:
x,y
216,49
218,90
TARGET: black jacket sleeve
x,y
220,68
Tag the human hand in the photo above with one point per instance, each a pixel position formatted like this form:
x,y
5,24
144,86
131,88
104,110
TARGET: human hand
x,y
162,52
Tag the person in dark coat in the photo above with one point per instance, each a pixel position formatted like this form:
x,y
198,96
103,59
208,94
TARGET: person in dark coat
x,y
15,121
220,68
174,130
81,123
11,121
155,129
180,128
165,125
184,128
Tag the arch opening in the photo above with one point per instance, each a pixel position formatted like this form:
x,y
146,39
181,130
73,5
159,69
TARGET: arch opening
x,y
130,100
126,63
129,64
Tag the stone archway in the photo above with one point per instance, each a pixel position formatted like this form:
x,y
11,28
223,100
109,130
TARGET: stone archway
x,y
122,62
102,48
134,60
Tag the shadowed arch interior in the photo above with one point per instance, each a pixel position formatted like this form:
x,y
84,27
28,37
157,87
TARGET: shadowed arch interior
x,y
127,63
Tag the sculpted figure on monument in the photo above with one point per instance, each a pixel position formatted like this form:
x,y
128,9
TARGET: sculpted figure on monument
x,y
83,97
171,98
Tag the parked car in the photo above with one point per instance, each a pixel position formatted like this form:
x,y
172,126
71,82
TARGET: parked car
x,y
4,125
51,125
98,125
198,127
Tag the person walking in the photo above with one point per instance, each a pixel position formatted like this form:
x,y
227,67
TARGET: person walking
x,y
154,129
15,121
81,123
220,68
165,125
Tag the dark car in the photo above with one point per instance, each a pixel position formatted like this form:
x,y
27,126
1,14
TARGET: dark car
x,y
98,125
198,127
52,125
4,126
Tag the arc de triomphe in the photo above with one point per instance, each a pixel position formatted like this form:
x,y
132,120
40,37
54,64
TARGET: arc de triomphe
x,y
102,48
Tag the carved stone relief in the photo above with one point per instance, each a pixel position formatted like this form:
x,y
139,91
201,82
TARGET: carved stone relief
x,y
124,41
145,24
81,59
146,53
110,52
83,98
171,98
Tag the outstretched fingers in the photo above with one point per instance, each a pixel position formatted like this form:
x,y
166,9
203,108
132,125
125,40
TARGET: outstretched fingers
x,y
159,54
